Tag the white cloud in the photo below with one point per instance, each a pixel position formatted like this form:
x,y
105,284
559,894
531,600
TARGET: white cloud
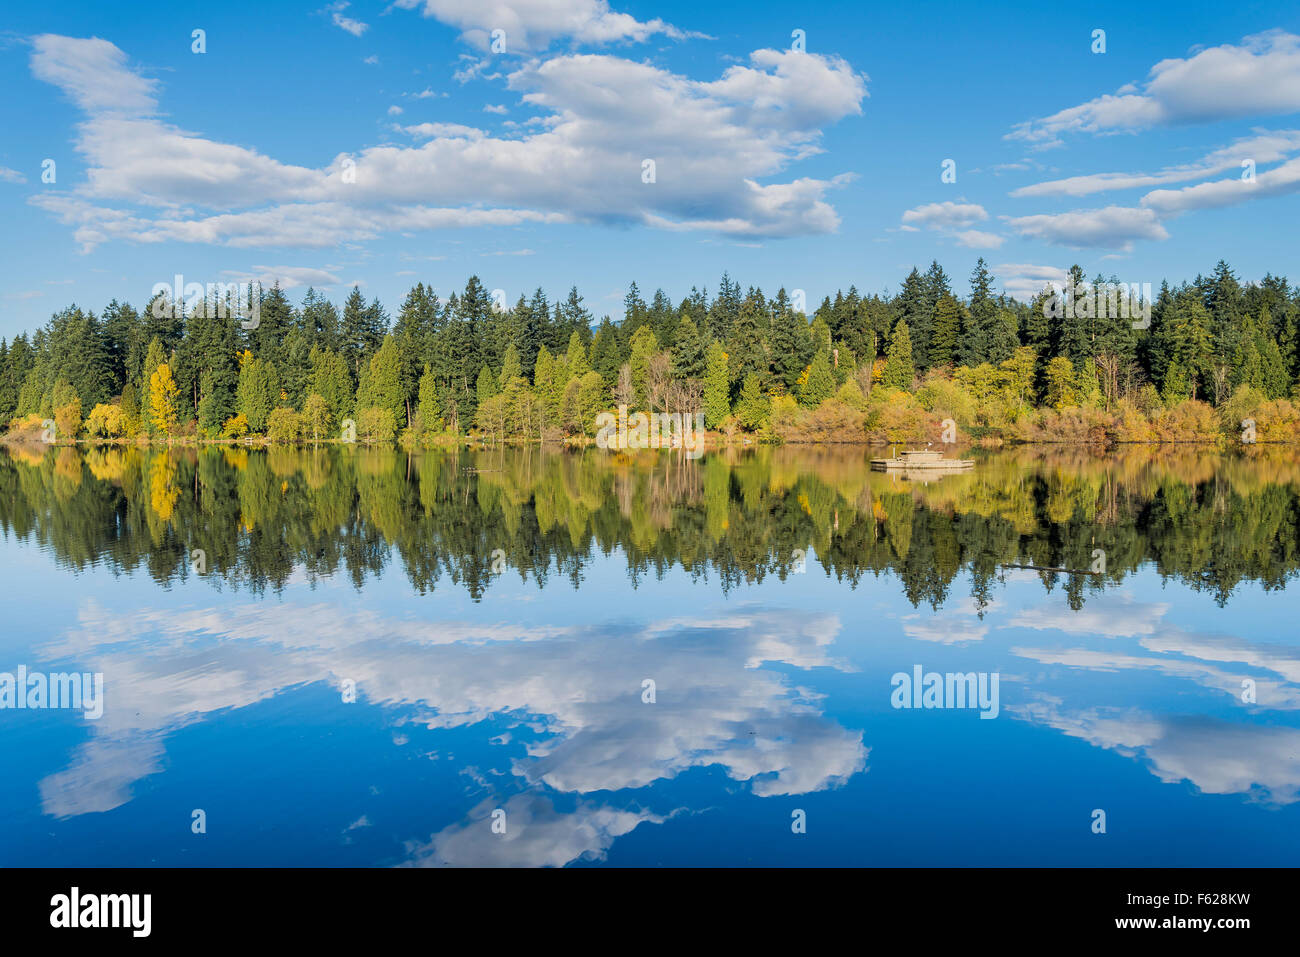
x,y
1263,147
712,141
1260,76
94,74
1278,181
978,239
533,24
354,27
946,214
950,218
1114,227
11,175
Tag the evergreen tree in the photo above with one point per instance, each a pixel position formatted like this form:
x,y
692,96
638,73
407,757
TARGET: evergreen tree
x,y
899,371
642,347
747,346
725,309
820,384
329,379
717,386
791,343
430,410
914,308
257,393
486,386
752,406
689,351
320,320
510,367
575,363
381,383
605,354
944,335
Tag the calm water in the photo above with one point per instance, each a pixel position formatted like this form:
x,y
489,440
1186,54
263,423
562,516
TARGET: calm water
x,y
500,613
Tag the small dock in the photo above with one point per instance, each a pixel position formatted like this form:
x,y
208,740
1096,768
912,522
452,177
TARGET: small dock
x,y
921,460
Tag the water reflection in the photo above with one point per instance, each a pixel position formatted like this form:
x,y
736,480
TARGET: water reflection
x,y
574,694
1206,520
1175,672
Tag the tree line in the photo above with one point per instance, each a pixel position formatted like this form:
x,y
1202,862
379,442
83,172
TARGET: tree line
x,y
748,361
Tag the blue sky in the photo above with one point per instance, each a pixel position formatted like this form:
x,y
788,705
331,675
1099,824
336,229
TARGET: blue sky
x,y
810,170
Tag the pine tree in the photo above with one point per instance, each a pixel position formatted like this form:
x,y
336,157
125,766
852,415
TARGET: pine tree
x,y
429,409
605,356
510,368
1074,326
752,406
726,307
747,346
574,318
486,386
791,342
275,319
947,327
320,320
545,385
688,351
381,383
913,307
634,312
983,339
642,346
257,394
820,384
354,332
899,371
576,359
717,386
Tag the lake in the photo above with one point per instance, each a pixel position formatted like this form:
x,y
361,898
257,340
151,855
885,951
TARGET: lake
x,y
363,657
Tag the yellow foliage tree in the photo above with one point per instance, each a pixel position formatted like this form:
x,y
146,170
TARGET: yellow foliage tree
x,y
106,420
162,399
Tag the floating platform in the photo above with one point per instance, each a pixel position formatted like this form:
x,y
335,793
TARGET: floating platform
x,y
921,460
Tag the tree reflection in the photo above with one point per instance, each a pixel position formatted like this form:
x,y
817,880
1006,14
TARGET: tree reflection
x,y
1207,520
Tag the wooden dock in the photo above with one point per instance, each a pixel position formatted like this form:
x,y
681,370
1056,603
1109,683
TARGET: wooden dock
x,y
921,460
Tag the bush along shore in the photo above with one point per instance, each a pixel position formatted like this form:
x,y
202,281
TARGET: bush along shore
x,y
1211,361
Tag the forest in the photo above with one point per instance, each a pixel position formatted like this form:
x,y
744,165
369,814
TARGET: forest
x,y
1218,360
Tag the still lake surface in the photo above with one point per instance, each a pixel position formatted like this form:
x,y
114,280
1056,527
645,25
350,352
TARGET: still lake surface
x,y
499,613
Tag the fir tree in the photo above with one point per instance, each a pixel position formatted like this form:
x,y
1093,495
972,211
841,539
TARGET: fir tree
x,y
689,351
820,384
947,327
899,371
717,386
